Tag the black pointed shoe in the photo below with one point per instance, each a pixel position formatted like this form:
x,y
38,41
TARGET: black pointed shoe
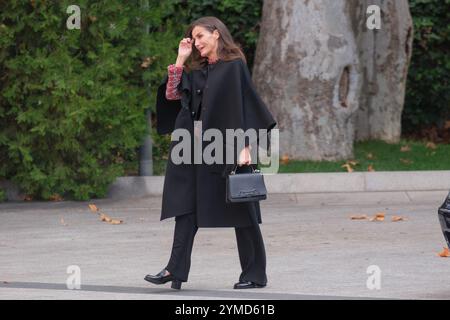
x,y
248,285
160,278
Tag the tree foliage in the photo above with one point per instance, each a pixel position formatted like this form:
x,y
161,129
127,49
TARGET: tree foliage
x,y
428,95
72,101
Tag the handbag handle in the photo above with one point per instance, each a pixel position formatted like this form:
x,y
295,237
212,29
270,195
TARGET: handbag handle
x,y
235,167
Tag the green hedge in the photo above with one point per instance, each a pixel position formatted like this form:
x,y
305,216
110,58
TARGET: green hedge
x,y
72,102
427,93
2,195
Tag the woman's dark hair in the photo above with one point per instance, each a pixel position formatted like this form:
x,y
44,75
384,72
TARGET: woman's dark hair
x,y
227,49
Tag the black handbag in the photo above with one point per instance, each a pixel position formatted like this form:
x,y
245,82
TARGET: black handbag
x,y
245,187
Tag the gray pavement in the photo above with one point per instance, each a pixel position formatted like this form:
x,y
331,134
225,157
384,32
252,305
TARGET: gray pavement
x,y
314,249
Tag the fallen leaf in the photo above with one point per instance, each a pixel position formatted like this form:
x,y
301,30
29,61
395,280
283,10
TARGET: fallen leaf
x,y
63,222
445,253
405,161
284,159
348,167
405,148
431,145
378,217
359,217
93,208
370,168
55,197
104,217
397,218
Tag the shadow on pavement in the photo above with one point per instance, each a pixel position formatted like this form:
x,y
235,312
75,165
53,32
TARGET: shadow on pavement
x,y
184,293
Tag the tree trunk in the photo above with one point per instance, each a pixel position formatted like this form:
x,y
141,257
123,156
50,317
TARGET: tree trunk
x,y
307,70
386,54
311,69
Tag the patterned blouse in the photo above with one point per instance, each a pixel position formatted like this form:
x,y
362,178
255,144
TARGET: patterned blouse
x,y
174,79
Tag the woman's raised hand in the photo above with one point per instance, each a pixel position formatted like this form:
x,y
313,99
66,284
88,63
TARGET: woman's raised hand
x,y
245,157
185,48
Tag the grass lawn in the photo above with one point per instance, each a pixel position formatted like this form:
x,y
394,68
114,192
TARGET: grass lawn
x,y
380,155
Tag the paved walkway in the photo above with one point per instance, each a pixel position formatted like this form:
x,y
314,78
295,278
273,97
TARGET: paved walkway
x,y
314,249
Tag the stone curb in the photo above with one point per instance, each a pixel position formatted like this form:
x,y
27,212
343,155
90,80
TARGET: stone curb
x,y
126,187
136,186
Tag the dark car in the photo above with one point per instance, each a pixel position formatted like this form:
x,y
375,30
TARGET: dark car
x,y
444,219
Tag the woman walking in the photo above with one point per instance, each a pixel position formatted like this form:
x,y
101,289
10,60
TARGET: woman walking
x,y
211,83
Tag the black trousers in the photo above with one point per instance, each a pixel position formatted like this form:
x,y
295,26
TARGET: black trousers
x,y
252,254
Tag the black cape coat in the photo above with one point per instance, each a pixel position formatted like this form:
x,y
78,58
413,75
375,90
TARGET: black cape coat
x,y
222,96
